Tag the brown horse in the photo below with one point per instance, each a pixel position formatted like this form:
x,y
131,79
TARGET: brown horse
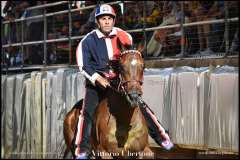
x,y
119,129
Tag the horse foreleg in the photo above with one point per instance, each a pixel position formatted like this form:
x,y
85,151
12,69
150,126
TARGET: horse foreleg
x,y
69,126
66,152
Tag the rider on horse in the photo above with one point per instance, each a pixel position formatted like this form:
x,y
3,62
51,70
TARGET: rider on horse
x,y
94,53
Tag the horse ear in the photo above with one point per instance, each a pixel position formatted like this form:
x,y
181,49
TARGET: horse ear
x,y
140,48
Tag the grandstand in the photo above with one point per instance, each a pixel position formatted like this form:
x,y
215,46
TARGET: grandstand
x,y
43,34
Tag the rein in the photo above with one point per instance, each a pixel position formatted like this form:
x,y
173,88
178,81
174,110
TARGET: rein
x,y
121,90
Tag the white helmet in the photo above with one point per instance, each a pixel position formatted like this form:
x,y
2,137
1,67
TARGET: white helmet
x,y
104,9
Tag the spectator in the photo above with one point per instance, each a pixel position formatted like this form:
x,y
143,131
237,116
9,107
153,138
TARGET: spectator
x,y
154,17
76,28
233,7
56,21
153,14
13,56
131,15
18,8
191,31
235,43
9,29
207,10
58,27
133,19
34,30
87,24
13,10
12,32
171,15
217,30
119,18
51,50
9,56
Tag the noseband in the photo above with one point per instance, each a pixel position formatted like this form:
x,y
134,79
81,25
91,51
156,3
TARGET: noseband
x,y
129,81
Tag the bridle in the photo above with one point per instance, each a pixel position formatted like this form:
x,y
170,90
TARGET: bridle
x,y
119,84
124,83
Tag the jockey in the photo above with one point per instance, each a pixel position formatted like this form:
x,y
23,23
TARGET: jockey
x,y
93,54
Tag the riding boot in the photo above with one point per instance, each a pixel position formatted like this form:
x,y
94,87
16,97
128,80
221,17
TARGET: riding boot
x,y
156,130
83,146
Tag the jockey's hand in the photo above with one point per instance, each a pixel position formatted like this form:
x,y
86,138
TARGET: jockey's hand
x,y
103,81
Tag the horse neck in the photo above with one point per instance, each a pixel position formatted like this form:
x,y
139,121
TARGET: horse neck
x,y
120,108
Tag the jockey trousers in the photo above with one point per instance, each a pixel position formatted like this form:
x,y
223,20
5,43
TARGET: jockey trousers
x,y
93,95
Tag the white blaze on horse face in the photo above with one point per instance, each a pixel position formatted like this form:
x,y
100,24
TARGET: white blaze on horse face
x,y
133,68
133,62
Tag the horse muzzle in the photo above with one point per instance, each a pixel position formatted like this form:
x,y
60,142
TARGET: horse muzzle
x,y
133,98
132,90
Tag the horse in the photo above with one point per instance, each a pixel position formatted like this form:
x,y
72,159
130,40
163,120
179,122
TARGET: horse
x,y
119,129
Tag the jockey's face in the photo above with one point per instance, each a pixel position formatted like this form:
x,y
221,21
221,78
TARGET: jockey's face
x,y
106,23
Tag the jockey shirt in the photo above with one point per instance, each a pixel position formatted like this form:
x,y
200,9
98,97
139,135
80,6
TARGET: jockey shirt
x,y
95,50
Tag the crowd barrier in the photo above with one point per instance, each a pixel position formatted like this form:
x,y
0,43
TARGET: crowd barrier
x,y
198,106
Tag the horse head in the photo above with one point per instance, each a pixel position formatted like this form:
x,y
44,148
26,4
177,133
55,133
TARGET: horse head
x,y
131,66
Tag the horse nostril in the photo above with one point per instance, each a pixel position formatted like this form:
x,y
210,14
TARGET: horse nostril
x,y
140,93
133,99
135,95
